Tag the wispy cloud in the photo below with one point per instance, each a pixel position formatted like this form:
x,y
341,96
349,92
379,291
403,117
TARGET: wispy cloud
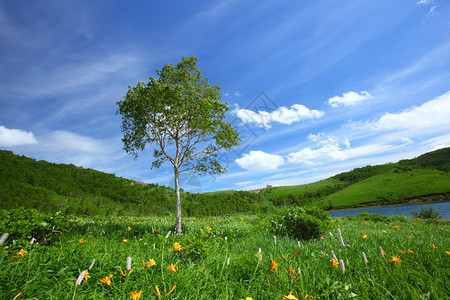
x,y
434,113
349,99
16,137
281,115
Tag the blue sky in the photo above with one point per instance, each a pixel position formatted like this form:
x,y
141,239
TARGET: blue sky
x,y
314,87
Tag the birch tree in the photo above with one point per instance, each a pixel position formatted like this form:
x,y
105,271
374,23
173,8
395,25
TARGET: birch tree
x,y
180,114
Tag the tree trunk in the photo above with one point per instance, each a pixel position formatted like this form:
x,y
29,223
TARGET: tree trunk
x,y
178,201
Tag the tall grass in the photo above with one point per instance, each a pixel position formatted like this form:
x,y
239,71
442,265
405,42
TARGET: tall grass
x,y
225,262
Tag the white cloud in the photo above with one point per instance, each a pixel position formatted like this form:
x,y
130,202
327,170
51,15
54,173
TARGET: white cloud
x,y
260,161
424,2
437,142
16,137
331,148
349,99
433,113
237,94
281,115
432,11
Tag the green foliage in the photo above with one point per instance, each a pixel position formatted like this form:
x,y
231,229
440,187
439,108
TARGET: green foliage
x,y
22,225
195,248
301,222
233,268
426,213
366,216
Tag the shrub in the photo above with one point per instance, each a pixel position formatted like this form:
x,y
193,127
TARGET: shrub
x,y
371,217
301,222
426,213
24,224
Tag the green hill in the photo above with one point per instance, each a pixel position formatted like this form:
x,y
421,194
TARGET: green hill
x,y
48,187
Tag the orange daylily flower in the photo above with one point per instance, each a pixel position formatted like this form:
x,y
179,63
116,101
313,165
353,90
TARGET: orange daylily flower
x,y
106,280
334,263
396,260
81,241
290,296
125,240
17,296
156,291
364,236
172,268
208,228
128,228
151,263
86,275
170,292
177,247
135,295
273,264
433,246
21,252
448,252
410,251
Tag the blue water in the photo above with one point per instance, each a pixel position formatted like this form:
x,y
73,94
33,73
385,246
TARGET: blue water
x,y
443,209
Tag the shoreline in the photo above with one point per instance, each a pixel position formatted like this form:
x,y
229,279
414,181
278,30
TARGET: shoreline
x,y
390,205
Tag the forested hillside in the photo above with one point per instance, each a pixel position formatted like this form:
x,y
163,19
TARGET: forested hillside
x,y
25,182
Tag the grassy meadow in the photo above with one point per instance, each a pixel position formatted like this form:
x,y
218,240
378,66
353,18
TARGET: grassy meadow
x,y
232,257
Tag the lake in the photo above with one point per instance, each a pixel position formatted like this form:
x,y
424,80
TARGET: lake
x,y
443,208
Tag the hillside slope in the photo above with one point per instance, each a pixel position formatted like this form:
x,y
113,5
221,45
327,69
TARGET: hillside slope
x,y
25,182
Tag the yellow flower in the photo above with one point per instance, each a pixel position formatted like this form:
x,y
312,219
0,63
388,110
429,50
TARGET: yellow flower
x,y
273,264
177,247
156,291
125,274
125,240
82,241
410,251
86,275
364,236
208,228
135,295
106,280
396,260
128,228
290,296
151,263
248,298
334,262
322,238
172,268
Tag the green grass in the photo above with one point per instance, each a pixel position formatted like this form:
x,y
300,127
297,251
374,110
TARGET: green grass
x,y
299,189
49,272
390,188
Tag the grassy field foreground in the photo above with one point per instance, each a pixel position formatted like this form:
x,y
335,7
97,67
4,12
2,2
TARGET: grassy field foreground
x,y
232,258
